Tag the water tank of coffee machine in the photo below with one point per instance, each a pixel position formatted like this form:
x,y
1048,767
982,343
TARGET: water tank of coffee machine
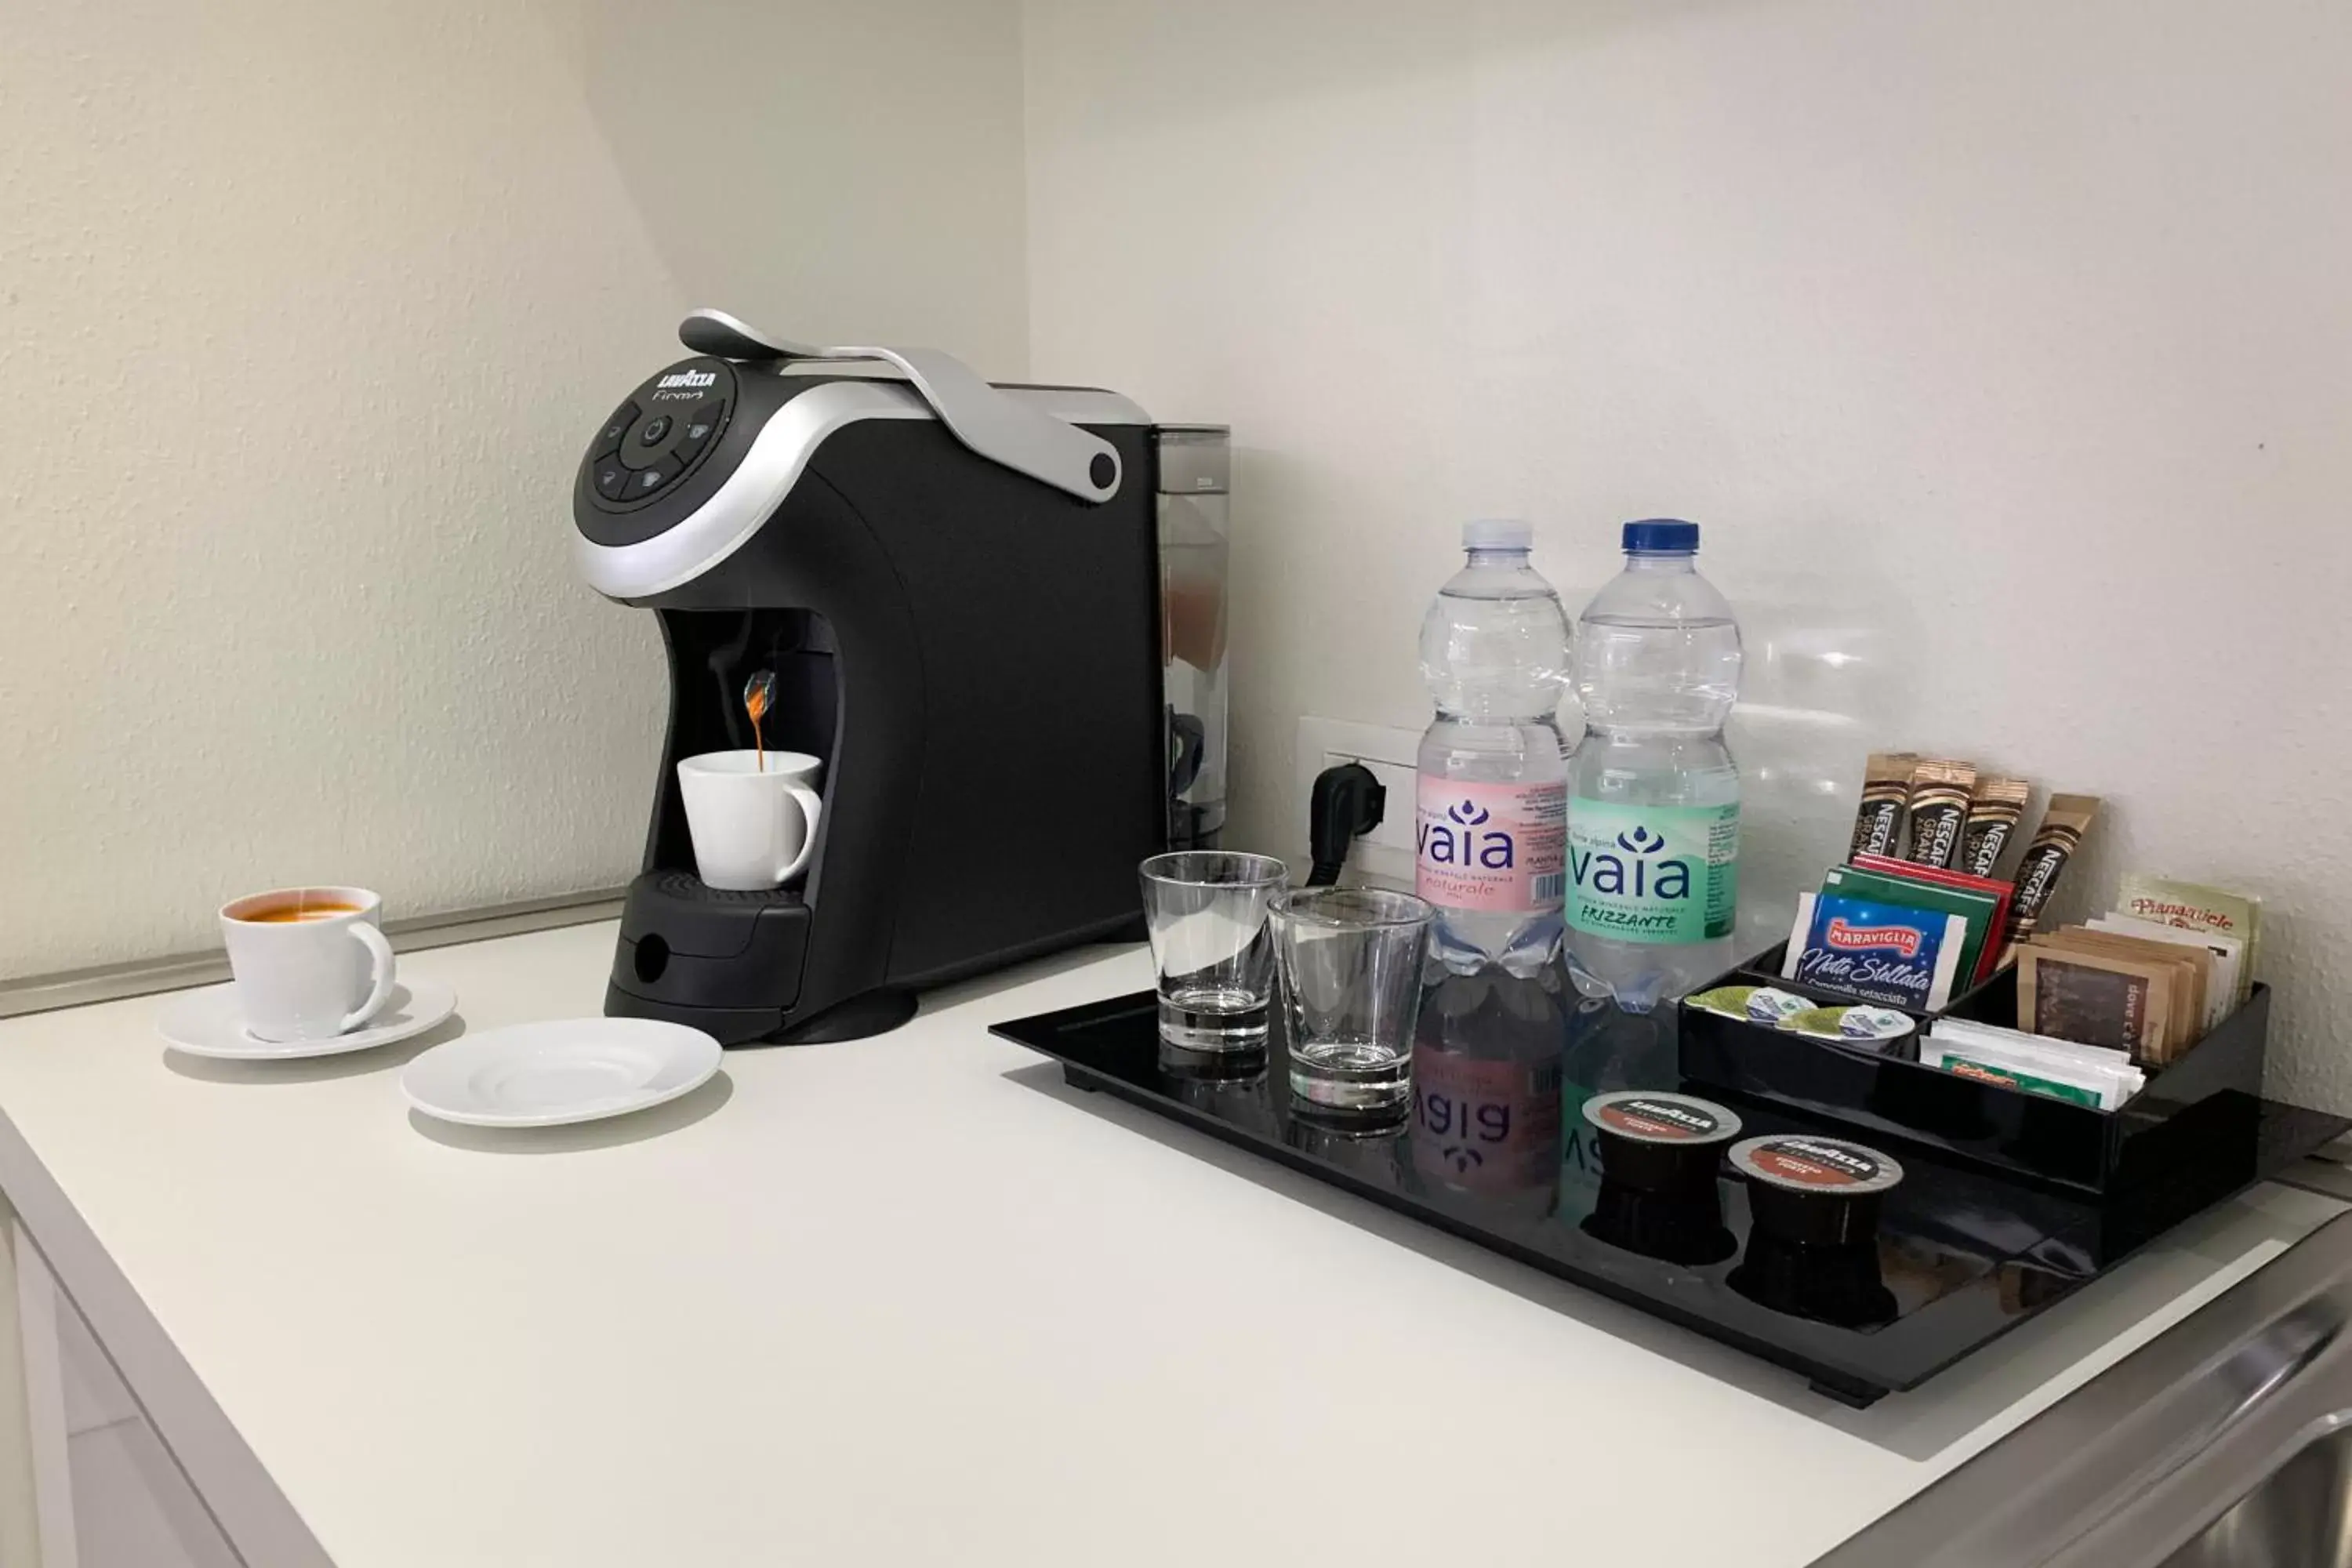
x,y
1194,502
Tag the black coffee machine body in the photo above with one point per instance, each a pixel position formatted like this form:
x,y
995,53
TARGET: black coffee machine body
x,y
962,592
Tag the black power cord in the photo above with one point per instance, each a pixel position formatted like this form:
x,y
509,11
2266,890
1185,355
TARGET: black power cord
x,y
1345,802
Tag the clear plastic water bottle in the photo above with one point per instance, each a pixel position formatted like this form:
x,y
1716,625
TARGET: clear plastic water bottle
x,y
1492,830
1654,799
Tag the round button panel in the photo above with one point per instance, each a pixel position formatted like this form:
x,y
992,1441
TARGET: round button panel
x,y
651,439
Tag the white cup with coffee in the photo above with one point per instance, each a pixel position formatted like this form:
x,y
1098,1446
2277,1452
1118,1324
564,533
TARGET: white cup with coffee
x,y
752,817
310,963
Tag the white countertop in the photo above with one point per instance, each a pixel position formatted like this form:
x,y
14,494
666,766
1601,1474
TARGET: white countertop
x,y
912,1300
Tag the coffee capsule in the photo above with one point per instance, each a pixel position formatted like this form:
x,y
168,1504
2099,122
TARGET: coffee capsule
x,y
1814,1192
1844,1286
1661,1142
1660,1154
1672,1227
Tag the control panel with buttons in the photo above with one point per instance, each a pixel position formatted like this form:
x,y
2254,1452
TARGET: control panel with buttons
x,y
656,436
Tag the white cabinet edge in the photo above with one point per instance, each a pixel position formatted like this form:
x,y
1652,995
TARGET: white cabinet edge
x,y
262,1527
36,1519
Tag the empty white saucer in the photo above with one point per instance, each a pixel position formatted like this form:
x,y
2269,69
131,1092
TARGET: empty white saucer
x,y
569,1069
207,1023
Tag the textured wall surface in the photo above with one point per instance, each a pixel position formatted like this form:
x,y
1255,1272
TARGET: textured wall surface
x,y
2004,350
310,310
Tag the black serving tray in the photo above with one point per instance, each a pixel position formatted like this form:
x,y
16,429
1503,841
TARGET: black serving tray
x,y
1965,1251
2211,1092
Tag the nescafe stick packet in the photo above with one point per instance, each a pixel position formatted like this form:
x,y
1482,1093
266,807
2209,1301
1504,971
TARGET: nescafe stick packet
x,y
1939,811
2054,842
1993,809
1885,785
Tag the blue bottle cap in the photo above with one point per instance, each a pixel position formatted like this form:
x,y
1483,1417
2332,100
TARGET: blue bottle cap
x,y
1662,536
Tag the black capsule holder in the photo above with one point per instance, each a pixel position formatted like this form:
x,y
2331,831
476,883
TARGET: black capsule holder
x,y
2209,1095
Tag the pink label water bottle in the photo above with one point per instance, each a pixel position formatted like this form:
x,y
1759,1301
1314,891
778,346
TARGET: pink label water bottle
x,y
1493,792
1496,848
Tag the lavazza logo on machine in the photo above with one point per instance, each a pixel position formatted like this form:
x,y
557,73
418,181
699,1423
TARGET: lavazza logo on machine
x,y
686,378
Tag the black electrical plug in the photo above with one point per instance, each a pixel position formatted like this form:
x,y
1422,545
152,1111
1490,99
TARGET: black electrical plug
x,y
1345,802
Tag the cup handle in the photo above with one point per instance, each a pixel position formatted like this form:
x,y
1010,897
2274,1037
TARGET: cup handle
x,y
380,983
810,805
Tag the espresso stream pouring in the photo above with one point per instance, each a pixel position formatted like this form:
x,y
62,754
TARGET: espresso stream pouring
x,y
757,693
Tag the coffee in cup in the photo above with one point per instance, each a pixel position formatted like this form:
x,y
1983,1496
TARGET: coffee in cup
x,y
310,962
289,913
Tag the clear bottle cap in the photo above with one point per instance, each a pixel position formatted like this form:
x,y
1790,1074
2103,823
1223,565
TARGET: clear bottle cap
x,y
1498,533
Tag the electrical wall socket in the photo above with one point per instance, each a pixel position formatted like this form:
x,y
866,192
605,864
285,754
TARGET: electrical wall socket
x,y
1385,855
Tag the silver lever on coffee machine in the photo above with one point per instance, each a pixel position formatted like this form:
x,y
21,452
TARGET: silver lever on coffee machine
x,y
993,425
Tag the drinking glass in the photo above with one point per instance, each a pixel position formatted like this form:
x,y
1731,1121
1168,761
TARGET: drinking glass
x,y
1351,960
1206,912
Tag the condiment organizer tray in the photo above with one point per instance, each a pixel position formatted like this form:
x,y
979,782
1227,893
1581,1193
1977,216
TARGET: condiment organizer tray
x,y
1965,1251
2211,1091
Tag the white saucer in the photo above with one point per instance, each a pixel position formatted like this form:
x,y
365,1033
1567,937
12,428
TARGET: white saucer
x,y
207,1024
569,1069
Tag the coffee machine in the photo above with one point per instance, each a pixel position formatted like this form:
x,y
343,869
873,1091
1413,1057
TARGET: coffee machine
x,y
995,614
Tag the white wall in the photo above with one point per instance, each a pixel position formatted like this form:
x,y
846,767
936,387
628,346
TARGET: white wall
x,y
306,312
2004,350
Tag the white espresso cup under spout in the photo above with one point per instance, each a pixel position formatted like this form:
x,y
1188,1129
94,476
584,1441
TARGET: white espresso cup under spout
x,y
753,826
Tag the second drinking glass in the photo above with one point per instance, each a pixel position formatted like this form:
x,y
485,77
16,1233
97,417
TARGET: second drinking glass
x,y
1351,960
